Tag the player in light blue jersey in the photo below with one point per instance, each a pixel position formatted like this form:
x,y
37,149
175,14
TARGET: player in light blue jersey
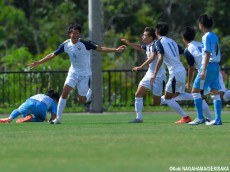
x,y
209,73
35,108
144,86
168,52
80,70
193,54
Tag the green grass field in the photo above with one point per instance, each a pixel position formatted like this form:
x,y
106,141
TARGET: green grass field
x,y
107,143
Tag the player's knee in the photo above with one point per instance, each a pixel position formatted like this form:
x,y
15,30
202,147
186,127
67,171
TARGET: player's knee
x,y
81,99
196,95
215,97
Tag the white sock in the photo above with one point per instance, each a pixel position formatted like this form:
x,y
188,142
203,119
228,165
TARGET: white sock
x,y
88,95
139,107
226,96
183,96
206,110
163,100
176,107
60,107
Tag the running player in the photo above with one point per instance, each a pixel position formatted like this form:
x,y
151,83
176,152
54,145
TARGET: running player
x,y
168,52
157,87
80,70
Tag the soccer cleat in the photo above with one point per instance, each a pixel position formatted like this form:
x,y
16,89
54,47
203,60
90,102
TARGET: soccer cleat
x,y
183,120
197,122
136,120
88,102
26,119
214,122
5,120
56,121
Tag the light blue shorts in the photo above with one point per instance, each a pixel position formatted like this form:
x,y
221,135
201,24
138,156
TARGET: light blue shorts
x,y
211,79
34,107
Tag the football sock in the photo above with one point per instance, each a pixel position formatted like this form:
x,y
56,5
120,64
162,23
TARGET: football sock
x,y
60,107
217,107
199,105
226,96
206,110
139,107
176,107
88,95
14,114
163,100
183,96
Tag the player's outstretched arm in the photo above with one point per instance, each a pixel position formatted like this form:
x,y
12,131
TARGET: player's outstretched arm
x,y
133,45
45,59
111,50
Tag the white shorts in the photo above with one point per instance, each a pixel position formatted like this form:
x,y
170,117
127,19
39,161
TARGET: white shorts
x,y
176,82
158,85
82,82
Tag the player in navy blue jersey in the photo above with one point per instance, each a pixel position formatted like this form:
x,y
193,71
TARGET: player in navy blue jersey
x,y
193,54
208,77
168,52
80,70
148,39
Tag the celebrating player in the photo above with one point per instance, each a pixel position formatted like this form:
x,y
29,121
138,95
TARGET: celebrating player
x,y
80,70
145,85
168,52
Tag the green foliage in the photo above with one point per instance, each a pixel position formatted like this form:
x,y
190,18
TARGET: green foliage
x,y
41,27
16,59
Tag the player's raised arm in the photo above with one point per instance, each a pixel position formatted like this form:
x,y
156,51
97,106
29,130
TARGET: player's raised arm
x,y
45,59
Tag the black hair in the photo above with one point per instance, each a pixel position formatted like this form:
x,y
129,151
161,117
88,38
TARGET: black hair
x,y
151,31
72,27
52,94
188,33
162,28
206,20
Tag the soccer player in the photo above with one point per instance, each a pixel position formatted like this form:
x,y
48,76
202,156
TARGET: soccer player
x,y
35,108
193,54
80,70
168,52
144,86
209,73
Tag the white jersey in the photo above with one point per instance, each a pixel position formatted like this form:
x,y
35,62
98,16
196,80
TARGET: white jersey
x,y
193,54
151,48
79,55
170,51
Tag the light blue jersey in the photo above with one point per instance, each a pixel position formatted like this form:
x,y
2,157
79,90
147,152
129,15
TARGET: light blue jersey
x,y
211,44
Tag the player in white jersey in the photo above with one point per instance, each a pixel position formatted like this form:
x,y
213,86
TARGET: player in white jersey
x,y
193,54
208,77
80,70
144,86
35,108
168,52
